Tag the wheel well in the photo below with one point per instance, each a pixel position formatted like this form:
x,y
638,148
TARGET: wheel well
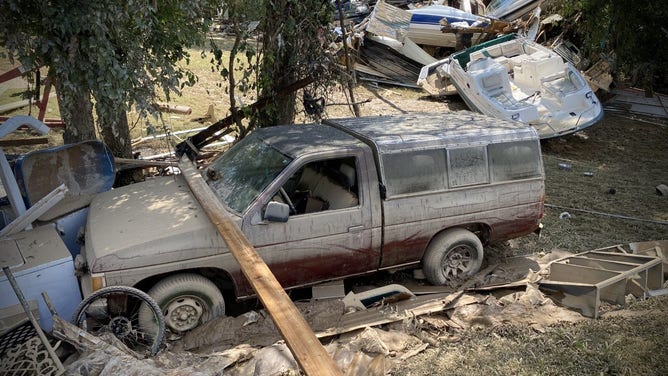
x,y
481,230
219,277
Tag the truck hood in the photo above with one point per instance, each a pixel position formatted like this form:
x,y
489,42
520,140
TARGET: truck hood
x,y
149,223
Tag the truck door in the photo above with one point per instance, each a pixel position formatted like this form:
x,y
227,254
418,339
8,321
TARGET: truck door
x,y
328,232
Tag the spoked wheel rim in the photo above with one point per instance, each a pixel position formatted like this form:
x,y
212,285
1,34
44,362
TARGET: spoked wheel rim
x,y
457,262
114,310
121,327
185,313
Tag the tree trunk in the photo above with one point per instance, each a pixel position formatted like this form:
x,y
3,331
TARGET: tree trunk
x,y
113,121
278,66
114,129
76,111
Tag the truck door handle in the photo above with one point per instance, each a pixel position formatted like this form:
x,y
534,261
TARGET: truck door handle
x,y
356,228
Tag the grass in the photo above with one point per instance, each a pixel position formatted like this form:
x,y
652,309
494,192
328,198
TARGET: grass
x,y
627,163
631,345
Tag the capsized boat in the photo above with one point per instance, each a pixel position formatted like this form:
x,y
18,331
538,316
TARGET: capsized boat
x,y
427,23
514,78
433,25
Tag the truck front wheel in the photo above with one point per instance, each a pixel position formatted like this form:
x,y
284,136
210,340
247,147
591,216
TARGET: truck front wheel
x,y
452,256
186,301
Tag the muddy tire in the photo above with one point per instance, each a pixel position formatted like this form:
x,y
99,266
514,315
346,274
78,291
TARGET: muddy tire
x,y
452,256
186,301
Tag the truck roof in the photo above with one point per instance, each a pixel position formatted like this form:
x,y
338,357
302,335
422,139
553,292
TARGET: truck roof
x,y
295,140
395,133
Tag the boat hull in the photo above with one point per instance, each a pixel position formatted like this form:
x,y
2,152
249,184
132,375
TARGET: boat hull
x,y
513,78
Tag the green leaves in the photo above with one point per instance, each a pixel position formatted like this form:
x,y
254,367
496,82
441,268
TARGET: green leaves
x,y
119,51
627,28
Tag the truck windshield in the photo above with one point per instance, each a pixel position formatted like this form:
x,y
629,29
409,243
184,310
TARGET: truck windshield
x,y
243,172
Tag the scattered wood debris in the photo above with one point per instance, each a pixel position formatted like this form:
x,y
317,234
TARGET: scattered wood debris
x,y
173,109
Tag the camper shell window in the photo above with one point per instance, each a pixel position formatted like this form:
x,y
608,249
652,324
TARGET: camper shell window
x,y
467,166
425,170
413,172
515,160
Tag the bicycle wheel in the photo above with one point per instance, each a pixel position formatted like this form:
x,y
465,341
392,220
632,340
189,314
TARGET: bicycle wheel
x,y
114,309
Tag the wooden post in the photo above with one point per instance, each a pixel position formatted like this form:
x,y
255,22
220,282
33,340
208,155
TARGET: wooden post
x,y
306,348
349,71
33,320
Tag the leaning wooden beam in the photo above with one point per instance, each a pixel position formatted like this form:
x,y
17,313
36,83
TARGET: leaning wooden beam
x,y
210,134
306,348
75,336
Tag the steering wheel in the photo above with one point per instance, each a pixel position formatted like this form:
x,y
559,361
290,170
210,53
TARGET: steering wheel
x,y
286,198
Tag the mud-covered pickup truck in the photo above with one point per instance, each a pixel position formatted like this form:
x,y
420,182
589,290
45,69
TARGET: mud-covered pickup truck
x,y
322,202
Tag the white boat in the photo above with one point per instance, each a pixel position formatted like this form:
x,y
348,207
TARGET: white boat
x,y
510,10
514,78
427,23
433,25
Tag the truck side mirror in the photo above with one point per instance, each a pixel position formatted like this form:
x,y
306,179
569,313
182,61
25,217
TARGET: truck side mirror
x,y
276,212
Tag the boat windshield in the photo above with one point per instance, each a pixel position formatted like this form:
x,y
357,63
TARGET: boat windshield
x,y
495,5
243,172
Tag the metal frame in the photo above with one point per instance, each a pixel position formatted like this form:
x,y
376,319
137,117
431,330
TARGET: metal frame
x,y
608,274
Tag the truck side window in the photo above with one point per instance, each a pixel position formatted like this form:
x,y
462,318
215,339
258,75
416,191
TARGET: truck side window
x,y
412,172
514,160
324,185
467,166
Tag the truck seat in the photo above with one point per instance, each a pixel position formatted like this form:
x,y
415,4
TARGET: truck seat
x,y
326,189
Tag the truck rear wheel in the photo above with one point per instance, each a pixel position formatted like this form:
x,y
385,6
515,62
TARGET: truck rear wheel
x,y
452,256
186,301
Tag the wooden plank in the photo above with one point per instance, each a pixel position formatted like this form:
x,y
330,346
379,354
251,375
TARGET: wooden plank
x,y
86,342
406,309
75,336
14,105
174,109
212,132
306,348
24,141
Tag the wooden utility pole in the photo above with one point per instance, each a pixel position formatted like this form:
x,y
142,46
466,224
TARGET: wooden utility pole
x,y
306,348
